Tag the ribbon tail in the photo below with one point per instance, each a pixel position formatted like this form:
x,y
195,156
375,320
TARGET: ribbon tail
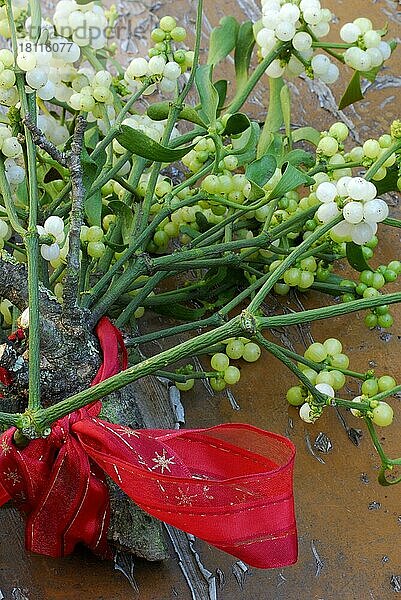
x,y
225,493
73,508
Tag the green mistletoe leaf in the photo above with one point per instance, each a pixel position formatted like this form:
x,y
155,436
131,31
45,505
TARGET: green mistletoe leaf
x,y
222,40
353,93
245,145
126,219
389,182
261,170
236,124
209,96
160,111
140,144
356,258
221,86
300,157
306,134
290,180
243,53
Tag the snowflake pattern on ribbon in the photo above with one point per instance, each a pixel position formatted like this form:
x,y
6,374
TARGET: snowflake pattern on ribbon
x,y
185,498
12,476
5,448
128,432
163,462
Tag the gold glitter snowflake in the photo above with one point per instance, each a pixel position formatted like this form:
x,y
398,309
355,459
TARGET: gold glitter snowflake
x,y
163,462
185,498
12,476
5,448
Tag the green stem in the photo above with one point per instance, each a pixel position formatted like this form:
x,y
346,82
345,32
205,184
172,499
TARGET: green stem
x,y
180,378
169,262
386,394
239,298
9,201
56,274
316,40
376,442
242,94
9,420
101,147
170,207
392,222
31,240
198,37
290,260
31,237
331,45
319,366
173,115
315,314
382,159
212,321
277,352
274,119
108,174
346,165
136,302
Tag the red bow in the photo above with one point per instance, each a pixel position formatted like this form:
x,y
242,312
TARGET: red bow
x,y
230,485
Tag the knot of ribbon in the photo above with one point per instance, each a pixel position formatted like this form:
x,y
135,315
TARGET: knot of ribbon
x,y
230,485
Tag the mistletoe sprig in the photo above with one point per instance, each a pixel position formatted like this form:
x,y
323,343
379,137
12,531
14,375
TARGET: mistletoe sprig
x,y
104,202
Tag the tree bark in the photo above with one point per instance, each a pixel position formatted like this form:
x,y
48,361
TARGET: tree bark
x,y
70,358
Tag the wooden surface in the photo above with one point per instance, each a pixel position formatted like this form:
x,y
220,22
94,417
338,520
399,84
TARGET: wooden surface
x,y
349,526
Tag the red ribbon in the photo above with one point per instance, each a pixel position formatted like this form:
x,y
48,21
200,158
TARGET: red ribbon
x,y
230,485
5,376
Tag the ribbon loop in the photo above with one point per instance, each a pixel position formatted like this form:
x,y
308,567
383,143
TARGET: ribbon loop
x,y
230,485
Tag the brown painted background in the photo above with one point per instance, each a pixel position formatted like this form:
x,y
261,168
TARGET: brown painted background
x,y
349,526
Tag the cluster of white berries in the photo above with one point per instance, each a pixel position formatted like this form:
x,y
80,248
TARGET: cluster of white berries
x,y
156,68
12,150
85,23
361,209
46,66
370,52
306,412
56,133
324,69
370,151
163,67
15,174
49,66
8,91
53,226
297,21
9,144
282,20
91,88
